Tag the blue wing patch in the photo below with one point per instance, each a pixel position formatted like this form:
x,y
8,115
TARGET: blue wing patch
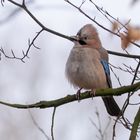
x,y
106,66
107,72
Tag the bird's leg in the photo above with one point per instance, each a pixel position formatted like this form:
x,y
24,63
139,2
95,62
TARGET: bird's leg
x,y
78,94
93,93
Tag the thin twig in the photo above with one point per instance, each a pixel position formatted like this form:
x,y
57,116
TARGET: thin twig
x,y
126,103
52,126
118,79
2,1
106,14
135,126
122,69
37,125
25,54
125,121
23,6
101,132
97,23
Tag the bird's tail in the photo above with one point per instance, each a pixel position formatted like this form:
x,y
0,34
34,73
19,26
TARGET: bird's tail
x,y
111,106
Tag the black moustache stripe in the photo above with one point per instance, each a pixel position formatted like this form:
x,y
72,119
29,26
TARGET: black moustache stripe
x,y
82,42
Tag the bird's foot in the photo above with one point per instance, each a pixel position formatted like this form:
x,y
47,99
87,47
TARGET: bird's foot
x,y
93,93
78,94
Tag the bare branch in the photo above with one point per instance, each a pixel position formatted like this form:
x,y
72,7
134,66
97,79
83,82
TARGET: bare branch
x,y
123,55
101,132
82,3
52,126
2,1
135,126
126,122
136,71
72,98
38,127
126,103
127,69
118,79
133,2
25,54
97,23
39,23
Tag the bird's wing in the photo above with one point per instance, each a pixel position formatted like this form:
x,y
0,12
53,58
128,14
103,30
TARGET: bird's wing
x,y
107,72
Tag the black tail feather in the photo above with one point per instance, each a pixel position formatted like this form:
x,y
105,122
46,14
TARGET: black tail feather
x,y
111,106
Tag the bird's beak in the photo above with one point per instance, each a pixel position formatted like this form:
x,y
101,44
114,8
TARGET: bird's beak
x,y
74,38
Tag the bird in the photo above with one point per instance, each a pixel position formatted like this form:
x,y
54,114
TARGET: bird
x,y
87,66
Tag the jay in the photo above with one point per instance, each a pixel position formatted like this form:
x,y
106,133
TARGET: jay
x,y
87,66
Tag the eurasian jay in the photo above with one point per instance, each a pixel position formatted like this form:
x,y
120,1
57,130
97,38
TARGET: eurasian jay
x,y
87,66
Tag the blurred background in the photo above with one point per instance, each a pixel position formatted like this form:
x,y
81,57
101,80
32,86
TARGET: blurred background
x,y
42,76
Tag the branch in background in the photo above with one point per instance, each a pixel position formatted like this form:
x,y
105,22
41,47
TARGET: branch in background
x,y
25,54
125,122
37,125
133,2
2,1
97,23
43,28
126,103
109,16
14,12
31,43
127,69
116,76
135,126
72,98
52,126
124,55
98,126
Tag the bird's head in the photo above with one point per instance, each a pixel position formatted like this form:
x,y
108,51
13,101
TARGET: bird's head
x,y
87,36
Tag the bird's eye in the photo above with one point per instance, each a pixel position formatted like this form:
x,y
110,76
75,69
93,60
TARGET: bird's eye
x,y
85,37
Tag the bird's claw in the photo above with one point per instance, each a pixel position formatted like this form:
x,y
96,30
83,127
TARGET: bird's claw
x,y
78,94
93,93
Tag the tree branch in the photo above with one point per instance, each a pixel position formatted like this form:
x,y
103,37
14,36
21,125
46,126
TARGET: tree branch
x,y
123,54
23,6
52,126
97,23
135,126
37,126
72,98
